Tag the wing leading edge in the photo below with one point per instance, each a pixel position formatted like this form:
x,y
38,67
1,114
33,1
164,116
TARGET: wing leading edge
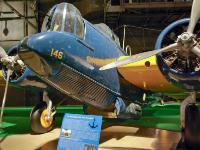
x,y
146,74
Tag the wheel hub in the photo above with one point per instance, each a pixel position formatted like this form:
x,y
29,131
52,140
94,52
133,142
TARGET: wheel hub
x,y
45,120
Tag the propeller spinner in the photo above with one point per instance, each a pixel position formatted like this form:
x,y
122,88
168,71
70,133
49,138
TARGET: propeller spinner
x,y
185,43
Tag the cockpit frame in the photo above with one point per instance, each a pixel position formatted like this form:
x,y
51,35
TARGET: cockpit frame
x,y
64,17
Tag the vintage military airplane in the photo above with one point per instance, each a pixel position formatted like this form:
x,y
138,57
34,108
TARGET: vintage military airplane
x,y
76,58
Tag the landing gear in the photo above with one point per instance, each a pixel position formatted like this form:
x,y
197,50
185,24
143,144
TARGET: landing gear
x,y
119,110
42,116
132,111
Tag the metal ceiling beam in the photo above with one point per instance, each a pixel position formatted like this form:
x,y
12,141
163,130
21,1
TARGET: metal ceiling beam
x,y
17,0
16,18
143,5
147,5
9,40
20,15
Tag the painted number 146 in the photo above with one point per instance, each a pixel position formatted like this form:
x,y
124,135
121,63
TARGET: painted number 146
x,y
57,54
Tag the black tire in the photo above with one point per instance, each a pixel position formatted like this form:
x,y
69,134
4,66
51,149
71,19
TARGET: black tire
x,y
35,115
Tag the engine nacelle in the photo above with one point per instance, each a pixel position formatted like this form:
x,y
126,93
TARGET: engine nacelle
x,y
22,76
182,71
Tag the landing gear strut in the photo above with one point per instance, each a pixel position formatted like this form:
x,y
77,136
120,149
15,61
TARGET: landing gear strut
x,y
42,116
132,111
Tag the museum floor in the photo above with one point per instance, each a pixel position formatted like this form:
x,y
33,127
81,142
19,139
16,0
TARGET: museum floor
x,y
17,134
112,138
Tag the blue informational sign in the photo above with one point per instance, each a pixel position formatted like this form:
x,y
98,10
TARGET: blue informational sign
x,y
80,132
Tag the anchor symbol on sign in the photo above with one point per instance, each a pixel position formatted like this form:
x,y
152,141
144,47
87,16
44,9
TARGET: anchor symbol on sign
x,y
93,125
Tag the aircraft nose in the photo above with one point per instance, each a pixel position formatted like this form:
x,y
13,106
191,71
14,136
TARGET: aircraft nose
x,y
29,54
24,44
28,45
24,47
41,43
38,44
52,46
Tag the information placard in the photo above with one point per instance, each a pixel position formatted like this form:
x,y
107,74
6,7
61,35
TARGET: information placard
x,y
80,132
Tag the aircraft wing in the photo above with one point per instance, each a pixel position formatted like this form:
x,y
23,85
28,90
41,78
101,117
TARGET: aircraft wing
x,y
146,74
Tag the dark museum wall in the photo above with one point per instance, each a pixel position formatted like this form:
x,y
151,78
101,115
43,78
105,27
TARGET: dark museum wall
x,y
20,18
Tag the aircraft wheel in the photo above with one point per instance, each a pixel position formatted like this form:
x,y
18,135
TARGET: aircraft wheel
x,y
39,122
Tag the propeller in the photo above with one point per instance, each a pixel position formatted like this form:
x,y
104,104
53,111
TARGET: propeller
x,y
5,94
138,57
195,15
3,53
9,62
184,44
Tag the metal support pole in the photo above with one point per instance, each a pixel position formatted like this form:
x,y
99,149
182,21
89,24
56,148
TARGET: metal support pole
x,y
124,37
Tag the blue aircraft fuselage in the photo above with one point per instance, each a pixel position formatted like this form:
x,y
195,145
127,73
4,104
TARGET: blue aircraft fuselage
x,y
95,45
69,60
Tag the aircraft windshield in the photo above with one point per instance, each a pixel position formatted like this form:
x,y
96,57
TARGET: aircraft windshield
x,y
64,17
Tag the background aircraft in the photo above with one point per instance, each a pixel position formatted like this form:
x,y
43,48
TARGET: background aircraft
x,y
76,58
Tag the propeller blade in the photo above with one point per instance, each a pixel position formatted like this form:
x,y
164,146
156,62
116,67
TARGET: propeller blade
x,y
16,58
5,95
2,53
138,57
195,15
196,50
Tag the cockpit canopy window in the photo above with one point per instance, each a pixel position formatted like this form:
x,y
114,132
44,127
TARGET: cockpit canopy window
x,y
64,17
108,32
79,26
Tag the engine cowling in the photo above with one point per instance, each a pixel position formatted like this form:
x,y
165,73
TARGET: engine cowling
x,y
22,76
183,71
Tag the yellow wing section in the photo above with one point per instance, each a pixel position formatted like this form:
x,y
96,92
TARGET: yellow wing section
x,y
146,74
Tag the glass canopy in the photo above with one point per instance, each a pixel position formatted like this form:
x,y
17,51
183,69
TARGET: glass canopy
x,y
64,17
